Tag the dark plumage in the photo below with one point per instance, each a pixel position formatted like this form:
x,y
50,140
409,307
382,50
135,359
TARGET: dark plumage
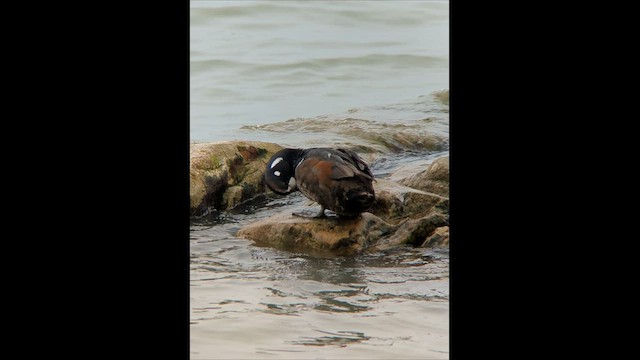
x,y
337,179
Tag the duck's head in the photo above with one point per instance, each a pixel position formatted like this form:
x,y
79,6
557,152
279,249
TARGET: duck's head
x,y
279,174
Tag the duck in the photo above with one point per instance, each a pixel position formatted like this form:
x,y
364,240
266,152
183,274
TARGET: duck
x,y
335,178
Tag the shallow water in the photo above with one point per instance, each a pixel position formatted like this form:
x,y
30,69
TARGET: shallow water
x,y
362,74
260,302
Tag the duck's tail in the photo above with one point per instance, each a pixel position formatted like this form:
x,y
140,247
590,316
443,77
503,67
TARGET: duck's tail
x,y
360,200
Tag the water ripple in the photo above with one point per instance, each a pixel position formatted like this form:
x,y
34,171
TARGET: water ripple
x,y
340,339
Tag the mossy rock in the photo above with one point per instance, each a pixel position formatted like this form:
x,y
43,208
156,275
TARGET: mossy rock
x,y
225,174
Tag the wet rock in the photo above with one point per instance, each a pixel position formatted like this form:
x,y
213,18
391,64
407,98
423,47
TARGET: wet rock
x,y
401,215
224,174
439,238
396,202
415,232
338,235
434,179
411,211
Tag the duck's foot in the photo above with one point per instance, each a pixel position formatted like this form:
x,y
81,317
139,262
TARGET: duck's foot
x,y
317,215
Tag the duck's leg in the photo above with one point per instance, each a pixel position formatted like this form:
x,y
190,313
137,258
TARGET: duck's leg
x,y
318,215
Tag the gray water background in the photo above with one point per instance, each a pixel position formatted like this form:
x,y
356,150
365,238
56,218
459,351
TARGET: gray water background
x,y
366,74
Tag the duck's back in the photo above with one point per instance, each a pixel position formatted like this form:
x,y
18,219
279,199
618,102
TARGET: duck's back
x,y
337,179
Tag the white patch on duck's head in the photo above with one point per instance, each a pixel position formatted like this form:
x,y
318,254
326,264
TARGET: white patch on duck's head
x,y
275,162
276,173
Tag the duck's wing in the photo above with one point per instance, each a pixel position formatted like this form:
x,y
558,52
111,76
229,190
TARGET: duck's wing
x,y
337,163
341,169
355,160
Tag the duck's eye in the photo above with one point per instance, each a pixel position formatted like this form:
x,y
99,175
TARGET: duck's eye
x,y
276,173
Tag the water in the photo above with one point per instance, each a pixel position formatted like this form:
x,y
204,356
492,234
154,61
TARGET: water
x,y
262,62
372,76
254,302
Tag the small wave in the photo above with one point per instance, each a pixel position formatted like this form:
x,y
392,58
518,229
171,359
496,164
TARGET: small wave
x,y
364,134
340,339
374,137
342,14
212,64
442,95
320,65
202,11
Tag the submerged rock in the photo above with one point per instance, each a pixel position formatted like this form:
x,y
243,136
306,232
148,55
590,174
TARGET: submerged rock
x,y
224,174
401,215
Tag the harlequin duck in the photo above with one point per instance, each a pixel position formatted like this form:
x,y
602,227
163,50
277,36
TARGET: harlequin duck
x,y
337,179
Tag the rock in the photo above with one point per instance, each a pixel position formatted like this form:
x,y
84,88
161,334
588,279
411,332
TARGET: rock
x,y
435,179
409,169
395,202
414,232
337,235
340,235
411,211
439,238
224,174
